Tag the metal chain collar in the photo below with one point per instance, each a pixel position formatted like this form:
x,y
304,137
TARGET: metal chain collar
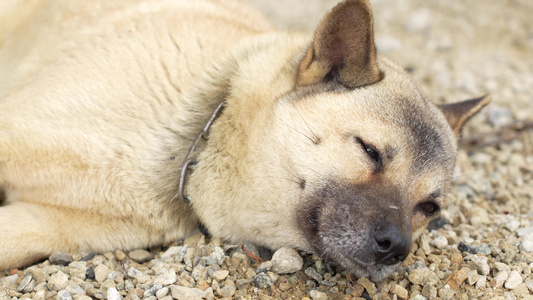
x,y
190,160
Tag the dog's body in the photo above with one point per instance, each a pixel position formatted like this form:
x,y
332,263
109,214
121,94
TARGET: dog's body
x,y
322,145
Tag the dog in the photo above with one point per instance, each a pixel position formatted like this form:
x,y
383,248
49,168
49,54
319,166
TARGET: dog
x,y
126,124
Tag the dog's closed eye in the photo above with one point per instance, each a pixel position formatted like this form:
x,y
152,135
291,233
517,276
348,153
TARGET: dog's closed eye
x,y
372,152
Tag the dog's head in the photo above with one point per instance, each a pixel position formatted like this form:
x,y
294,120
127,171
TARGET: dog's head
x,y
378,162
351,162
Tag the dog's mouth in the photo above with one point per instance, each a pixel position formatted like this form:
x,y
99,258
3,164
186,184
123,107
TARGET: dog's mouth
x,y
354,246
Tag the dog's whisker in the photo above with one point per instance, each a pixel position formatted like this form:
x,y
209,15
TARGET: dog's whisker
x,y
316,139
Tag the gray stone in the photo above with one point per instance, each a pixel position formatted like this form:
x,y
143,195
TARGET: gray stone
x,y
312,273
58,281
479,263
162,292
262,281
166,278
24,283
264,267
60,258
128,285
140,255
132,272
63,295
181,254
74,289
482,249
151,291
286,260
185,293
217,256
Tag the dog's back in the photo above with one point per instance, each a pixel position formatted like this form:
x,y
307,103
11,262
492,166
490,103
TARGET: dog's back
x,y
93,99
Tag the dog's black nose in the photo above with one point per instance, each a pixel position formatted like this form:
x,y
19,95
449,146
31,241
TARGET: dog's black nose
x,y
391,246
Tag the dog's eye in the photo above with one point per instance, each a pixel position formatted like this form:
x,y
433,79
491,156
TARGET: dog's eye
x,y
429,208
371,151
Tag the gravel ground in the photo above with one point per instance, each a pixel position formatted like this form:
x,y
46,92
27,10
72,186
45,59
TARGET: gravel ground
x,y
481,248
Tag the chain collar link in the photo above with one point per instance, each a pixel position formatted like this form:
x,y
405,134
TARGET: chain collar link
x,y
190,160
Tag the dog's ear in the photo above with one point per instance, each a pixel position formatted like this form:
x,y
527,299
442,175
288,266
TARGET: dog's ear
x,y
343,48
459,113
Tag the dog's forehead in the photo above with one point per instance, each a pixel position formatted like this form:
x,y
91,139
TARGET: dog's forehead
x,y
406,120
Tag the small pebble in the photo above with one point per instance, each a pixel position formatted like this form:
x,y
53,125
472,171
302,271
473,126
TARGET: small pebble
x,y
262,281
58,281
140,255
172,251
120,255
439,242
286,260
63,295
513,280
400,291
317,295
186,293
60,258
480,263
100,273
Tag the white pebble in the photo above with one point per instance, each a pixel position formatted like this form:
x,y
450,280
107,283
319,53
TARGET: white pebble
x,y
512,225
513,280
527,243
440,242
480,263
113,294
481,283
63,295
318,295
174,250
162,292
286,260
500,279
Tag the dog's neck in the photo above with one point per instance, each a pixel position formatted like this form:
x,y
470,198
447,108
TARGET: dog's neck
x,y
190,160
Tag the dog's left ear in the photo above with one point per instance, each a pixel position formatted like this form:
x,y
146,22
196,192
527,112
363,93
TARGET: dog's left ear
x,y
343,48
459,113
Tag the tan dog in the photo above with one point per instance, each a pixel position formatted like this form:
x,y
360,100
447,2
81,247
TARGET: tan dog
x,y
323,145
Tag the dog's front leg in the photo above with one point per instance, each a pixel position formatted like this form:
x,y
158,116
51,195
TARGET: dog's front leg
x,y
30,232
